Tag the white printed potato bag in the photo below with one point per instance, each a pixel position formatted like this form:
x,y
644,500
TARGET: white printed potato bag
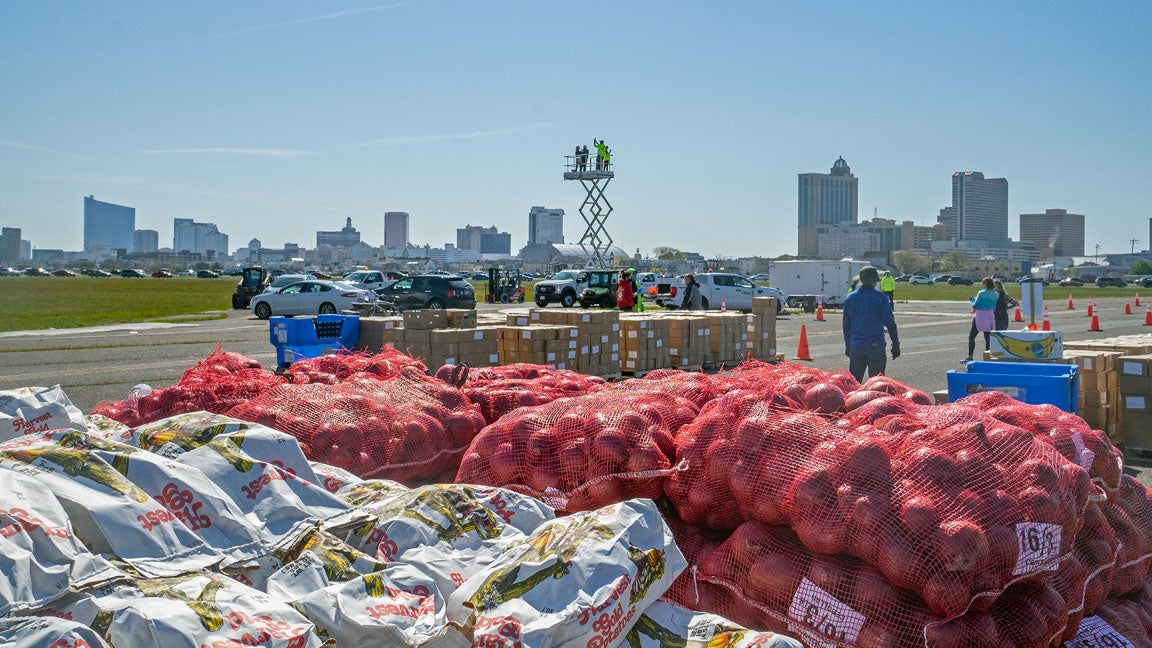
x,y
178,434
576,582
451,531
40,557
185,493
668,626
101,425
399,606
190,611
1095,632
50,632
313,560
108,512
333,478
273,498
37,409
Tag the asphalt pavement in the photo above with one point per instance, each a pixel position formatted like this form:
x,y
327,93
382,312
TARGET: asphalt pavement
x,y
104,363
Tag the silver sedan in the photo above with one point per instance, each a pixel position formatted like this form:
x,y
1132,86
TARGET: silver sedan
x,y
309,298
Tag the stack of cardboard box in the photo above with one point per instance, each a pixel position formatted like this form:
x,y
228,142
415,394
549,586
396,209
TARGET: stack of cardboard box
x,y
600,343
643,343
543,345
1129,398
1097,393
376,333
729,337
689,336
476,347
764,336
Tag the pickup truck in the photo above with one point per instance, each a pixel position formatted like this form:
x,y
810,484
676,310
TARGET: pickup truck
x,y
716,288
564,288
372,279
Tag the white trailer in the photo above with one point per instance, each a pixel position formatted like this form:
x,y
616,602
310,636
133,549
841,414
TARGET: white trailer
x,y
803,282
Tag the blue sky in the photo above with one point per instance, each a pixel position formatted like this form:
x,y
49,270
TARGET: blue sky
x,y
275,119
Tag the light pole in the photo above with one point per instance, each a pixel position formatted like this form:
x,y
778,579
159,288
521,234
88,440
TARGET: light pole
x,y
1097,254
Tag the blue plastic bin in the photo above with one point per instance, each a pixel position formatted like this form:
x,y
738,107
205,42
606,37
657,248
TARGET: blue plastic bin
x,y
1032,383
307,337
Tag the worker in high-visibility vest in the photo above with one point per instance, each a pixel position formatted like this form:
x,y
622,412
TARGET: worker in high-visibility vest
x,y
602,154
888,287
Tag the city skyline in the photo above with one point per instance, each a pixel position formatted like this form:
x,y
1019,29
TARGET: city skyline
x,y
279,117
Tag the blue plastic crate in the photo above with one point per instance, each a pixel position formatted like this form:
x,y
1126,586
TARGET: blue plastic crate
x,y
306,337
1032,383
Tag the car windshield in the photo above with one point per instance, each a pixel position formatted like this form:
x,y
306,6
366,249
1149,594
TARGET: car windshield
x,y
601,279
564,276
356,277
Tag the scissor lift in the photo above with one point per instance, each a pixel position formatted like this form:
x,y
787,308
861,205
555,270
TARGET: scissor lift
x,y
596,242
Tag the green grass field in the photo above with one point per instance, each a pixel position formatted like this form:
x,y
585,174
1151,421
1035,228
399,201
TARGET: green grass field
x,y
33,303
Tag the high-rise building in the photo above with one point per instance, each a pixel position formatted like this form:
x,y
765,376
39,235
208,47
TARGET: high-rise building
x,y
108,225
545,225
825,199
9,245
1054,233
981,207
345,238
198,238
395,229
145,241
485,240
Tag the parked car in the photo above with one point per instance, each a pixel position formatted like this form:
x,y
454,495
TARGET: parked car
x,y
919,280
564,288
36,272
96,272
904,278
372,279
722,289
187,273
479,276
942,279
957,280
430,291
1114,282
1028,279
1145,282
308,298
162,274
757,278
63,272
207,274
1068,282
287,280
133,273
9,272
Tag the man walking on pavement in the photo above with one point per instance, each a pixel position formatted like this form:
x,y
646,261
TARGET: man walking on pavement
x,y
866,314
888,287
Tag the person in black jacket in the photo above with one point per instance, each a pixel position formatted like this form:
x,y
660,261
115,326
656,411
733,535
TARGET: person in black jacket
x,y
693,300
1003,303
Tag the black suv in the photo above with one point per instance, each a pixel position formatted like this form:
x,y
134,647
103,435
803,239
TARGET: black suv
x,y
1116,282
429,291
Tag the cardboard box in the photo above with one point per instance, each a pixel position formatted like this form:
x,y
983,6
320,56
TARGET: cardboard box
x,y
1135,403
940,397
1141,385
1136,431
1026,345
426,319
461,317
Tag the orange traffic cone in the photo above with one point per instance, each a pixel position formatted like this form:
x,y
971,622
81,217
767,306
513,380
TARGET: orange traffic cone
x,y
819,309
1127,306
1137,300
723,305
1070,306
802,352
1018,317
1148,314
1046,325
1095,323
1090,309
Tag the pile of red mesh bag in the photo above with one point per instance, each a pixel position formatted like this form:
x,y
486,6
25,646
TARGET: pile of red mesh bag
x,y
332,369
216,384
409,428
499,390
583,452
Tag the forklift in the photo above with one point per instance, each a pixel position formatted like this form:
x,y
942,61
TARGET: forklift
x,y
504,286
254,280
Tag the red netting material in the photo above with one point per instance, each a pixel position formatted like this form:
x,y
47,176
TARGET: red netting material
x,y
583,452
332,369
763,577
945,502
1070,434
410,428
215,384
1129,616
496,395
1129,513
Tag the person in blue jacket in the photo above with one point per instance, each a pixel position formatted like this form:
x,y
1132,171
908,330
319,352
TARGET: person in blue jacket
x,y
983,316
867,312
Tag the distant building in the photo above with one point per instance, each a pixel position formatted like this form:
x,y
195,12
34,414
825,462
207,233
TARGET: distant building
x,y
395,229
345,238
981,207
947,220
876,235
1055,233
10,245
825,199
566,254
545,225
25,249
198,238
485,240
145,241
1000,250
108,225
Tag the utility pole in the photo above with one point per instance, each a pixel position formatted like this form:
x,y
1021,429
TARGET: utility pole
x,y
1097,254
1132,243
